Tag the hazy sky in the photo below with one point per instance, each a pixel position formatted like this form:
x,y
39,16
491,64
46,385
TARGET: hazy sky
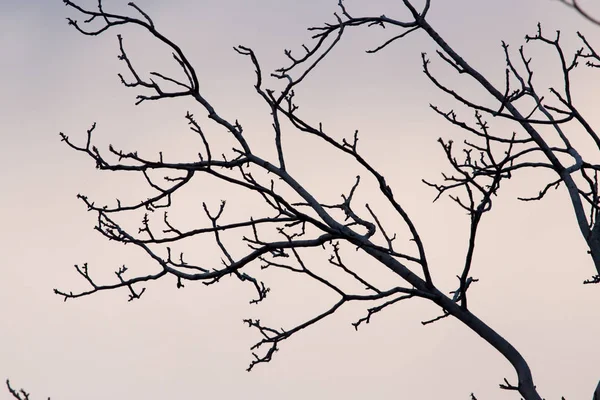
x,y
191,343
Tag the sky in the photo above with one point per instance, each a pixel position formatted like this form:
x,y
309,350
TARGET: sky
x,y
191,342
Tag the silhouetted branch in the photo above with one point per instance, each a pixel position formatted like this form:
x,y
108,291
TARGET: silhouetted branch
x,y
20,394
577,7
297,220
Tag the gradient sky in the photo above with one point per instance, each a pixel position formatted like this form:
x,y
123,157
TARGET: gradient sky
x,y
191,343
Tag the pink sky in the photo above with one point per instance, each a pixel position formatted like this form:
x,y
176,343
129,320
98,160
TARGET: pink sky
x,y
191,343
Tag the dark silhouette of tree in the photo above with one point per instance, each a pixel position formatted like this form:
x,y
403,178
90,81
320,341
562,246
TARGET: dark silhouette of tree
x,y
296,220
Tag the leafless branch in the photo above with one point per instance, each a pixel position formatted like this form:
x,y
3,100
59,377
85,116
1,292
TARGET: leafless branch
x,y
20,394
577,7
479,167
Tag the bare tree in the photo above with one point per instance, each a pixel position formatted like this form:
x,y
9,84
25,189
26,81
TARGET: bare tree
x,y
295,220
